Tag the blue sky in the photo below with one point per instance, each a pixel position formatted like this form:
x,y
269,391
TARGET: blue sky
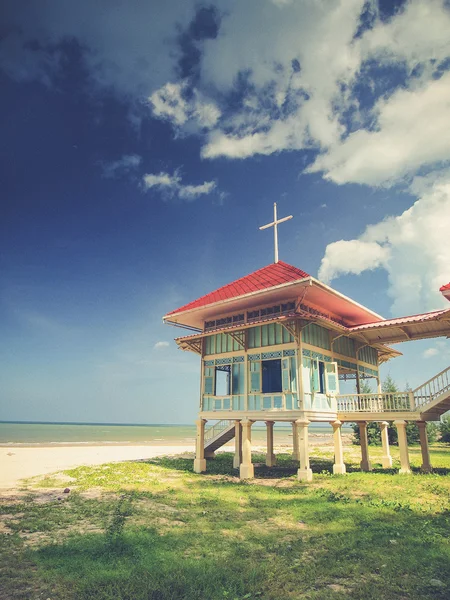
x,y
144,143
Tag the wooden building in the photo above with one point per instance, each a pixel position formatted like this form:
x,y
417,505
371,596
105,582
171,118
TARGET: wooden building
x,y
274,346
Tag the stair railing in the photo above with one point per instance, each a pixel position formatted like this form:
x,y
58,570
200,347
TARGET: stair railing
x,y
217,429
432,389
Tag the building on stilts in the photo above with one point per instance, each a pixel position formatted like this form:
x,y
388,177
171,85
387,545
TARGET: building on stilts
x,y
274,346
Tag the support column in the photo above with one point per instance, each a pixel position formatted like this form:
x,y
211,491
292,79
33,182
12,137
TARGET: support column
x,y
200,461
304,473
379,386
271,459
246,470
386,459
403,447
338,467
426,464
364,441
237,445
295,452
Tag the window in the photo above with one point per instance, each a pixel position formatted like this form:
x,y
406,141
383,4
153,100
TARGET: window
x,y
223,380
271,376
324,377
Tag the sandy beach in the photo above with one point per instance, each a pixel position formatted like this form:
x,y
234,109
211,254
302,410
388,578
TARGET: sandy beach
x,y
18,463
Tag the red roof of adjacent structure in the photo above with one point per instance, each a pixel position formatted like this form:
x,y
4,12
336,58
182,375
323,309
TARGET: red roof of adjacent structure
x,y
401,321
444,288
267,277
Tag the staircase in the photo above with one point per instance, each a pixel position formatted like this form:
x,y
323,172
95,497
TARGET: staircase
x,y
432,399
218,435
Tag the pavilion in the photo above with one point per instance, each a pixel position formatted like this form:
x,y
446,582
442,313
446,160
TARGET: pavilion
x,y
274,346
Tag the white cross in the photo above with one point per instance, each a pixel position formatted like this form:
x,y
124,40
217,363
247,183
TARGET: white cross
x,y
275,224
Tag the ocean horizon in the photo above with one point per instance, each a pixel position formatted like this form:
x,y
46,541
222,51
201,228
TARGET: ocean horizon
x,y
39,433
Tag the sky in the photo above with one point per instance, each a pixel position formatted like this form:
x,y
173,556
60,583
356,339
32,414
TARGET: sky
x,y
143,143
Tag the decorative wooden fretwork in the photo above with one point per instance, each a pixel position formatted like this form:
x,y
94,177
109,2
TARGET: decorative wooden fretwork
x,y
288,352
269,355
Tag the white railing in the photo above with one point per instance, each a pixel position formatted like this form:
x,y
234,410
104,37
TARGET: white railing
x,y
217,429
432,389
374,403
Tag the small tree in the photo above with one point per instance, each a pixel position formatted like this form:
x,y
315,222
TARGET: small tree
x,y
444,430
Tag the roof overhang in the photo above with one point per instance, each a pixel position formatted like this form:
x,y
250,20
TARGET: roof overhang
x,y
314,293
193,342
416,327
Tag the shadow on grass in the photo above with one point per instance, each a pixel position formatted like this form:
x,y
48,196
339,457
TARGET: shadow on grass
x,y
340,541
222,464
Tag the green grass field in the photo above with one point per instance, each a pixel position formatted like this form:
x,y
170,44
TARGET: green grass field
x,y
155,530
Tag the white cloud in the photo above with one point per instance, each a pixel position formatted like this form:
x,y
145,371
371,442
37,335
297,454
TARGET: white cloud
x,y
411,247
160,345
412,131
172,186
124,165
353,256
430,352
418,33
285,107
170,102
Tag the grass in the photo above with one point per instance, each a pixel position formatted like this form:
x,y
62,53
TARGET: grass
x,y
155,530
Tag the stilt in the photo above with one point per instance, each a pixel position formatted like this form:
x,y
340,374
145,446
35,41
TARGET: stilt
x,y
364,441
386,459
403,447
304,473
247,470
338,467
200,461
295,452
237,459
426,464
271,459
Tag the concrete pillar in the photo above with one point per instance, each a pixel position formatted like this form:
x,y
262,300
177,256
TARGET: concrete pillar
x,y
247,470
426,464
338,467
271,459
295,452
403,447
200,461
304,473
237,459
364,441
386,459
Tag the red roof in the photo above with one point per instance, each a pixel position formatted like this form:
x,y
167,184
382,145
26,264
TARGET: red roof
x,y
401,321
444,288
267,277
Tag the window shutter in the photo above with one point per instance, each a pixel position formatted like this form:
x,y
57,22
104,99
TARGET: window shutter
x,y
315,385
332,379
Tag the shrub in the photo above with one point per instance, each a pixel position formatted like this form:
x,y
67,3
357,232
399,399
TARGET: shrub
x,y
444,430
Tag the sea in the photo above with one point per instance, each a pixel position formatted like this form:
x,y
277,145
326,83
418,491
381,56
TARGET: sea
x,y
29,434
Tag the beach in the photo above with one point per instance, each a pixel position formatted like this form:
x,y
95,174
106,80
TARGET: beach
x,y
18,463
30,450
